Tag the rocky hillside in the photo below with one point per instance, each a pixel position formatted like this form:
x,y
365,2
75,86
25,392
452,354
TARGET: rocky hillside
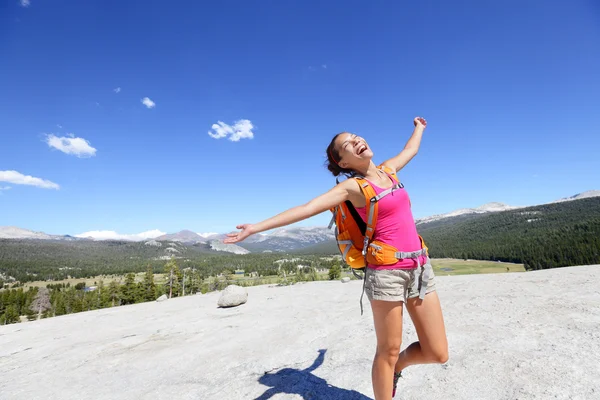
x,y
502,345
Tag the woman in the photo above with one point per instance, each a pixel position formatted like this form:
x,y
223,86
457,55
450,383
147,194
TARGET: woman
x,y
388,287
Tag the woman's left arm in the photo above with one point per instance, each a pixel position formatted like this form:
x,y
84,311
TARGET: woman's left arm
x,y
411,148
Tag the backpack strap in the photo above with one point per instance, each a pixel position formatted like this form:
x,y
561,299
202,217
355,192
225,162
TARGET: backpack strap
x,y
372,211
388,171
392,173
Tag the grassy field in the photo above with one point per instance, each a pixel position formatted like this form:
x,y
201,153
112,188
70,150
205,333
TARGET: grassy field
x,y
94,280
441,267
450,266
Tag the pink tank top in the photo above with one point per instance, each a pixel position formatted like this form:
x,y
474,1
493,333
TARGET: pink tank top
x,y
395,226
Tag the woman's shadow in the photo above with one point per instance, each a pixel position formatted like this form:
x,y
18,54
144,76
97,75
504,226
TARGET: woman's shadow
x,y
305,384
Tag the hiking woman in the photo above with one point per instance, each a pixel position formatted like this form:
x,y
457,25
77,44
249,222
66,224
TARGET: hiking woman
x,y
407,281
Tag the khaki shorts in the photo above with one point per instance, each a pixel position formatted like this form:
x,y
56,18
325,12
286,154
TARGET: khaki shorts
x,y
397,284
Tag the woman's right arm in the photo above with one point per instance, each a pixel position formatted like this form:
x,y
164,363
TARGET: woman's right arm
x,y
338,194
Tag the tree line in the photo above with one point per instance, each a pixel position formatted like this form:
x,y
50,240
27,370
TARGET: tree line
x,y
540,237
57,299
39,260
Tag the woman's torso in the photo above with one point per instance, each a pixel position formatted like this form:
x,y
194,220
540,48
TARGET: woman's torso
x,y
395,225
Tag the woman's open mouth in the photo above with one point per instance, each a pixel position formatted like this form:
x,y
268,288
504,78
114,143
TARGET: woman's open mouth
x,y
361,149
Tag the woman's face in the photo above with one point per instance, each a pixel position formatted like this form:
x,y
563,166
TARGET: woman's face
x,y
353,150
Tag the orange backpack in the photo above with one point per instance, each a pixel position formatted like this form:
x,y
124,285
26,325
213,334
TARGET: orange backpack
x,y
355,237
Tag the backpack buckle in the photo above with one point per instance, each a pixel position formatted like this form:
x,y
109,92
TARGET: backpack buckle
x,y
365,246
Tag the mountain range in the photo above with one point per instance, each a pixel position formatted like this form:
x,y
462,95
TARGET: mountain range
x,y
284,239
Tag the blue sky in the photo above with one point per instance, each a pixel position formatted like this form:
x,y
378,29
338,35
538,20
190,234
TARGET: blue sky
x,y
509,89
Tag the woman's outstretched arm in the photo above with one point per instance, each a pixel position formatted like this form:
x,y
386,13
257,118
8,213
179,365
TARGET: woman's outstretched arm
x,y
410,149
324,202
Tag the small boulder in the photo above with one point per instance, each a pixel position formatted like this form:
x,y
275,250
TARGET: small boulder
x,y
162,298
232,296
345,279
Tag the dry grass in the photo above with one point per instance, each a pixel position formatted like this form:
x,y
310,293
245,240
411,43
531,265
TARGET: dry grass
x,y
450,266
441,266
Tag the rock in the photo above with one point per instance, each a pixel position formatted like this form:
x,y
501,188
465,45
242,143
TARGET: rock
x,y
162,298
232,296
345,279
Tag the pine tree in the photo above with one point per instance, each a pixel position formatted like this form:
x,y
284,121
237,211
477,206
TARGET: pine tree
x,y
11,315
172,276
334,272
128,290
149,288
113,293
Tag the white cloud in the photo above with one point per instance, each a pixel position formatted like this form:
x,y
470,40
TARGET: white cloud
x,y
71,145
112,235
5,188
242,129
207,234
59,126
18,178
148,103
117,90
25,3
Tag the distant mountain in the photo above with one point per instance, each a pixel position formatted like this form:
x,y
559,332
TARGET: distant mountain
x,y
327,247
289,239
218,245
13,232
584,195
209,235
486,208
498,207
182,236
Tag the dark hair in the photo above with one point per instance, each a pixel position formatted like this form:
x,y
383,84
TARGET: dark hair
x,y
333,157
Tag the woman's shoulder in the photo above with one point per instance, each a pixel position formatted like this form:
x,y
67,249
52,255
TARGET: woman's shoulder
x,y
350,184
353,190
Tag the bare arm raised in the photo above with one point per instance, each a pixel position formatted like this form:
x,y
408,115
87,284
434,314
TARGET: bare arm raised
x,y
410,149
346,190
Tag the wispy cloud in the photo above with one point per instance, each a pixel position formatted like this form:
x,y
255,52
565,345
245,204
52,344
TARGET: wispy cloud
x,y
25,3
112,235
18,178
313,69
148,103
59,126
242,129
117,90
71,145
4,188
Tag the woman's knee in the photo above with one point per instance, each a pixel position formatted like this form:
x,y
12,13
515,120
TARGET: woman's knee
x,y
438,355
389,351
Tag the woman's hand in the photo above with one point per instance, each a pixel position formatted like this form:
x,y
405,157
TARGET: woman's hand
x,y
410,149
246,230
420,122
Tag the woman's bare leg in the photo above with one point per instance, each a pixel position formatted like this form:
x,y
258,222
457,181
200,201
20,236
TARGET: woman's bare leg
x,y
432,346
387,316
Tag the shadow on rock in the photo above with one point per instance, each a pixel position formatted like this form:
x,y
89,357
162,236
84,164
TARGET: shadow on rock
x,y
304,383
